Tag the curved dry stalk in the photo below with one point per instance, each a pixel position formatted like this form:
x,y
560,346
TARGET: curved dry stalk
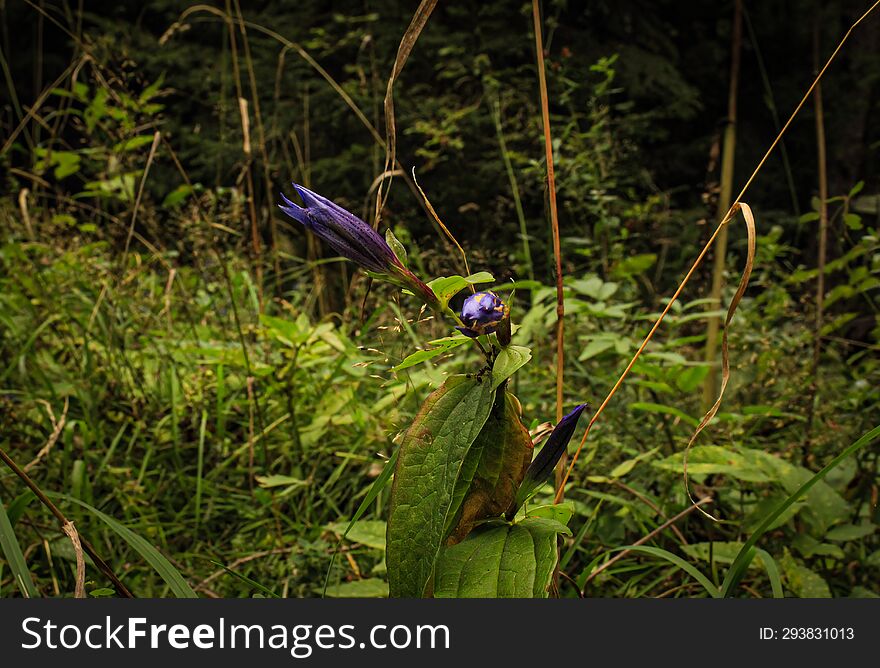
x,y
449,234
725,351
407,42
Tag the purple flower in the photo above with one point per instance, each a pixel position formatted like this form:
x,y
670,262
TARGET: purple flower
x,y
481,313
344,232
542,466
353,239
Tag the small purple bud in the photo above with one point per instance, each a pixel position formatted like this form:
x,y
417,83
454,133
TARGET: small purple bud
x,y
481,313
542,466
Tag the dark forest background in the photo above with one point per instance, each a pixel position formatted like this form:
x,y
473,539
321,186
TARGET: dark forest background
x,y
177,354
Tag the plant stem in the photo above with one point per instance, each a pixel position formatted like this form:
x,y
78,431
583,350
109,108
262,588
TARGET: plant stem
x,y
710,385
823,235
514,189
554,226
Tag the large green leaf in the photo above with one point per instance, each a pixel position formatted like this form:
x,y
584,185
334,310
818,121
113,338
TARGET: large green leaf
x,y
824,505
431,456
506,561
493,469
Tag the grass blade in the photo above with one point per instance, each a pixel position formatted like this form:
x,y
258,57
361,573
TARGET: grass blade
x,y
253,583
12,552
690,569
374,491
772,572
162,566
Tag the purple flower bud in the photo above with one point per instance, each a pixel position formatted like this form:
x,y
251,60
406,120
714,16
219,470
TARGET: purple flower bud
x,y
344,232
542,466
481,313
353,239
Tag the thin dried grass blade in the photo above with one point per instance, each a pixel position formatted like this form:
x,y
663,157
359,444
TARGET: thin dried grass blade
x,y
445,229
419,20
725,352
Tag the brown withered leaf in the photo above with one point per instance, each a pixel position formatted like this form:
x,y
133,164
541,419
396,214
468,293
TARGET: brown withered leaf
x,y
493,468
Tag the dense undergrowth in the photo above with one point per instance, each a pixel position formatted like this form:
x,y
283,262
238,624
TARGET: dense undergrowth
x,y
231,401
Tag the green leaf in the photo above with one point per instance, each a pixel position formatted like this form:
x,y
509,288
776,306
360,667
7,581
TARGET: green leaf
x,y
558,512
665,410
133,143
594,287
506,561
431,456
624,468
508,362
444,345
848,532
772,573
368,588
375,489
14,557
479,277
366,532
446,287
596,346
177,196
853,221
396,247
809,217
66,162
160,564
269,481
802,581
691,378
102,592
634,265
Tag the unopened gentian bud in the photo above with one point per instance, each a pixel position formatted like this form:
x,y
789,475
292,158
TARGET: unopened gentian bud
x,y
482,313
542,466
354,240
